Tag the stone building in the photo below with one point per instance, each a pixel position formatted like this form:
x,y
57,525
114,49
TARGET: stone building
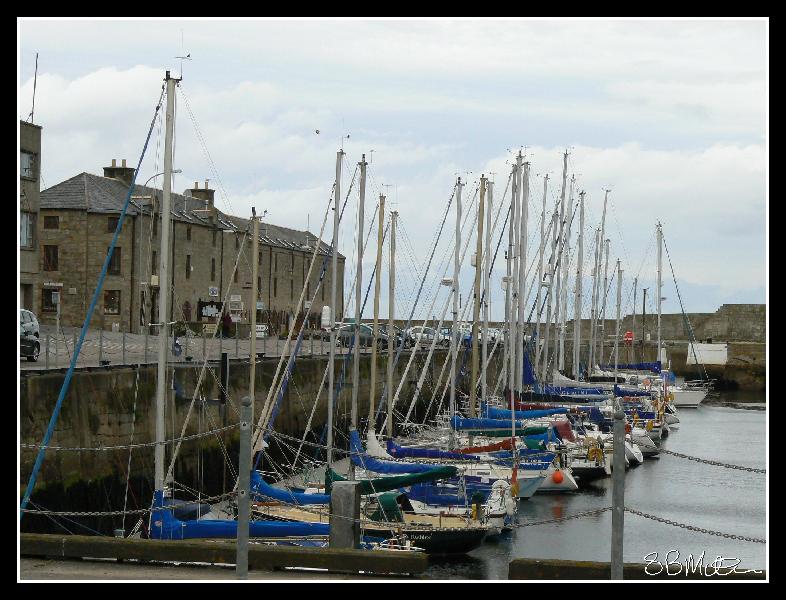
x,y
79,217
29,195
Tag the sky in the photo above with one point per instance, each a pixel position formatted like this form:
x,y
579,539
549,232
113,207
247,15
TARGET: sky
x,y
671,116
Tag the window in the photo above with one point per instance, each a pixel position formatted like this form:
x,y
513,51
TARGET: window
x,y
324,284
308,291
26,164
293,261
51,222
275,287
155,225
188,266
275,262
112,302
48,303
235,279
237,242
291,289
188,233
114,262
212,269
50,258
111,224
26,229
154,263
259,284
214,238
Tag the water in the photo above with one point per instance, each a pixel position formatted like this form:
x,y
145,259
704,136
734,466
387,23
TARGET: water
x,y
701,495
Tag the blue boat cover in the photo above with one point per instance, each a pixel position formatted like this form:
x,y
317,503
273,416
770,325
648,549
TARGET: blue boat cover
x,y
459,423
369,463
260,487
404,452
655,367
502,413
164,526
618,391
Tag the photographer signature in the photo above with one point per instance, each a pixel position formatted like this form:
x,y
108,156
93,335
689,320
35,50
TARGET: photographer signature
x,y
720,565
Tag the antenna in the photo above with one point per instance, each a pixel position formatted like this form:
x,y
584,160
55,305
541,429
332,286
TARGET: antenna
x,y
35,81
183,56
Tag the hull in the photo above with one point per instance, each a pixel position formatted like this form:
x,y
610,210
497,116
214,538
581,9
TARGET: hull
x,y
688,398
568,483
433,541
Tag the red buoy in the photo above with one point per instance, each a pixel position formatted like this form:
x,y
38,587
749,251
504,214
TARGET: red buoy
x,y
557,477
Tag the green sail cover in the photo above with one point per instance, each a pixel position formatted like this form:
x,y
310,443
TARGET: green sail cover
x,y
385,484
502,433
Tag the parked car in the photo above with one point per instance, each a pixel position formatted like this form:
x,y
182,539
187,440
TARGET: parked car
x,y
29,335
424,334
399,335
345,332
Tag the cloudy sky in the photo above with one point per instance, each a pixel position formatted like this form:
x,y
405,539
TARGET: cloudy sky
x,y
670,115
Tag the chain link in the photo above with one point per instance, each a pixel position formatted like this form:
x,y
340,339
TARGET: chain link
x,y
713,462
131,446
730,536
117,513
586,513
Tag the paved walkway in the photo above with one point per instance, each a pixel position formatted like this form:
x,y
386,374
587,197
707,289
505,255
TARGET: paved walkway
x,y
130,348
36,569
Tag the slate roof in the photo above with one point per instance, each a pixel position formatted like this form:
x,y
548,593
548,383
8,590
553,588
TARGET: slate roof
x,y
97,194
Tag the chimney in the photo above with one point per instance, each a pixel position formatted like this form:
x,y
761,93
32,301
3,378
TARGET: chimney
x,y
205,194
122,173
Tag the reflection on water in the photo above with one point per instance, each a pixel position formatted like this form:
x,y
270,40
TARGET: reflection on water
x,y
705,496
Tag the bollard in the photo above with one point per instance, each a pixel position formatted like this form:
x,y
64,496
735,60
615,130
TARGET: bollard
x,y
46,362
618,494
243,491
124,347
100,346
345,515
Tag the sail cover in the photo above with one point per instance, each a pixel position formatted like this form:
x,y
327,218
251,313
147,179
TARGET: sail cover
x,y
404,452
655,367
628,392
502,413
260,487
386,484
359,458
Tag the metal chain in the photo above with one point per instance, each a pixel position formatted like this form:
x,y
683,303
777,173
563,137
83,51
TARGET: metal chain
x,y
117,513
713,462
586,513
130,446
730,536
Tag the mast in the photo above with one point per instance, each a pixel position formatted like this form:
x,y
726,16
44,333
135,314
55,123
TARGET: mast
x,y
658,290
617,336
391,316
473,391
487,290
163,302
633,325
593,307
375,333
522,281
557,278
577,307
602,330
549,295
454,333
541,252
512,283
358,302
333,311
564,285
599,334
254,298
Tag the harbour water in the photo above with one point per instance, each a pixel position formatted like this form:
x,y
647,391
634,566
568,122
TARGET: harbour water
x,y
696,494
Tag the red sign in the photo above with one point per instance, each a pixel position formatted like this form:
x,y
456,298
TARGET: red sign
x,y
628,337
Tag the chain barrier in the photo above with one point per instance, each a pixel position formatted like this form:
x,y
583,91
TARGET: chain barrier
x,y
117,513
713,462
586,513
131,446
730,536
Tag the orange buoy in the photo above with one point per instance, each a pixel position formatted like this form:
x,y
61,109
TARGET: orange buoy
x,y
557,477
